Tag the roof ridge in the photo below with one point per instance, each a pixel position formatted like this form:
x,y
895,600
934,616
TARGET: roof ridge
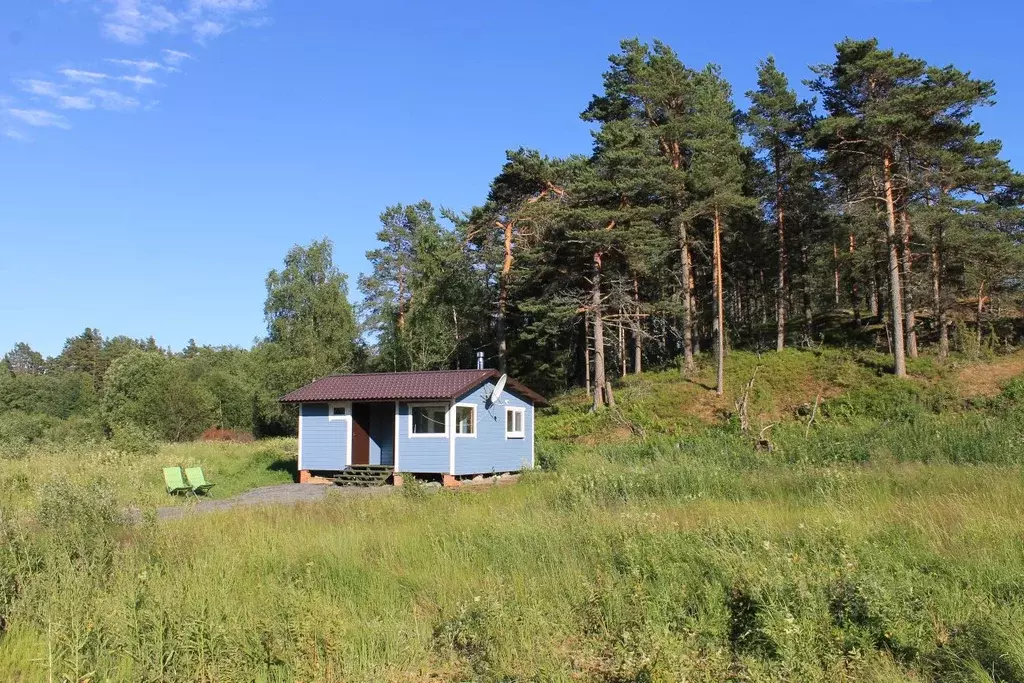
x,y
405,385
404,372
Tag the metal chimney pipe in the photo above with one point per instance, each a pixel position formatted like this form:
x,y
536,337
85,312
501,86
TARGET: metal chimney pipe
x,y
479,360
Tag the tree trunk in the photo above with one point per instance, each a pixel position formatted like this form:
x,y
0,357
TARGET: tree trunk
x,y
908,295
595,303
781,294
981,308
684,249
835,263
805,265
622,343
854,290
637,340
899,357
939,310
586,349
873,300
401,299
503,283
719,311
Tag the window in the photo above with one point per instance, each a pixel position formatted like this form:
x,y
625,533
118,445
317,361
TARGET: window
x,y
428,420
465,420
337,411
514,420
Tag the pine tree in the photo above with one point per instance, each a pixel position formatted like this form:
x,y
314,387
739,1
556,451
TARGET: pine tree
x,y
778,123
612,205
507,219
952,169
717,177
651,86
872,97
423,300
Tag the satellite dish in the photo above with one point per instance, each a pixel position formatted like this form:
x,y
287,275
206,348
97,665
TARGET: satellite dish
x,y
498,388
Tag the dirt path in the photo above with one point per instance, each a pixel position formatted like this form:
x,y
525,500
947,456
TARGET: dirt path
x,y
988,379
280,494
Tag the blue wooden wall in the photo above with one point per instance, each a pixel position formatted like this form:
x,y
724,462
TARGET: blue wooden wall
x,y
427,454
490,450
324,442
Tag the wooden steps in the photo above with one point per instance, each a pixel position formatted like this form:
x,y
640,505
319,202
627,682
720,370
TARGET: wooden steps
x,y
364,475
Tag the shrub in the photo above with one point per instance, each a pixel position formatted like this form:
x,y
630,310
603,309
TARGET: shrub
x,y
131,439
222,434
80,521
19,427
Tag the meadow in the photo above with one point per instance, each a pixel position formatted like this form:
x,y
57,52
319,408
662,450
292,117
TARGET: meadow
x,y
850,527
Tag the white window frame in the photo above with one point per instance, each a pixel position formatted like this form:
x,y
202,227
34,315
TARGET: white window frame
x,y
519,434
431,404
347,405
455,421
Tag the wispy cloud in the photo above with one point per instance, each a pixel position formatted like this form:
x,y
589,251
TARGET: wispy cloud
x,y
176,57
83,76
75,102
55,92
142,65
40,118
37,87
138,81
133,21
16,135
94,77
111,100
84,88
205,30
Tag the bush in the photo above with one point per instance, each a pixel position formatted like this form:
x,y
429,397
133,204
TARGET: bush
x,y
131,439
221,434
80,521
18,427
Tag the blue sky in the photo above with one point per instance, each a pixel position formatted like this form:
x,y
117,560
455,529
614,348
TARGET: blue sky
x,y
160,156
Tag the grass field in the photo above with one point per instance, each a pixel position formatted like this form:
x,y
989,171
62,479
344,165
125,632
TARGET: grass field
x,y
880,541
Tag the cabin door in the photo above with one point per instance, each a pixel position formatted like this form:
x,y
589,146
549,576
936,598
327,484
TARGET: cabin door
x,y
360,434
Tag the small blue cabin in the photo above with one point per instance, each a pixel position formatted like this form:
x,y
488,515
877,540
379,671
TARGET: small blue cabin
x,y
447,422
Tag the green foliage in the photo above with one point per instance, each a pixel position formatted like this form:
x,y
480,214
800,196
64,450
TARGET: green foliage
x,y
311,333
129,438
155,393
24,360
423,300
308,313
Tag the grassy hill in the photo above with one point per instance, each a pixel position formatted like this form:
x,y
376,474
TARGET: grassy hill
x,y
858,528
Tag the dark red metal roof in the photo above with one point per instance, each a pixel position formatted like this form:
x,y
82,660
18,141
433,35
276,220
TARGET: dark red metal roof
x,y
403,386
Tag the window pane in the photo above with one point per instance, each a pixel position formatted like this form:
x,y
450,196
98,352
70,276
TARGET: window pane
x,y
428,420
514,421
464,423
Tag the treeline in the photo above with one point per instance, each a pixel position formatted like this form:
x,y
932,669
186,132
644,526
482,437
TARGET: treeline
x,y
693,226
874,213
137,392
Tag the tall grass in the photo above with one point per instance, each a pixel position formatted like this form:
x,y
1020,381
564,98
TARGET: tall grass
x,y
135,478
860,548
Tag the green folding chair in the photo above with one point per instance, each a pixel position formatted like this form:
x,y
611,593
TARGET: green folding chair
x,y
197,481
174,482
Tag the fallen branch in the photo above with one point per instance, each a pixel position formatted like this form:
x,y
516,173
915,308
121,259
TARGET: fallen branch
x,y
814,413
741,405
